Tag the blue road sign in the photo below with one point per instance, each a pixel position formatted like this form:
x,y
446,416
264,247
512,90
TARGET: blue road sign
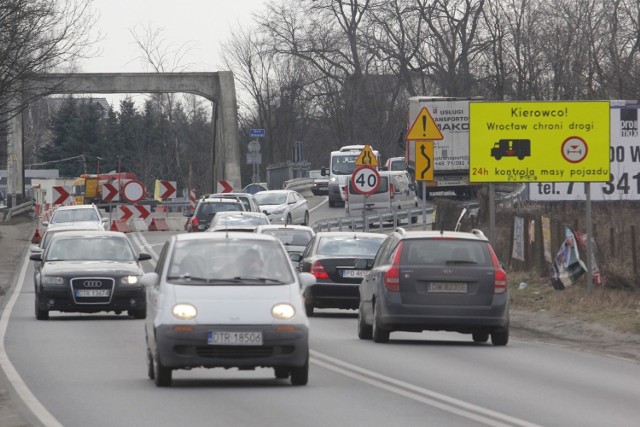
x,y
256,133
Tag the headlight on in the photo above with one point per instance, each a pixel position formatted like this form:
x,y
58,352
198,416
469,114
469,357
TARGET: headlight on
x,y
333,179
130,280
184,311
283,311
52,280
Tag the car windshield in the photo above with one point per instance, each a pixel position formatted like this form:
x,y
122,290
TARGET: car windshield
x,y
446,252
344,165
228,262
271,198
74,215
90,248
397,165
349,247
233,220
290,237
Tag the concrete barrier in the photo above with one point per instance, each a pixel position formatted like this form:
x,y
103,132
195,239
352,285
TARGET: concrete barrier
x,y
138,224
176,223
117,225
159,224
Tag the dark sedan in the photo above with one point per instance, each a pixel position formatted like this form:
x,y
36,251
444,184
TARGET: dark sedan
x,y
330,256
90,272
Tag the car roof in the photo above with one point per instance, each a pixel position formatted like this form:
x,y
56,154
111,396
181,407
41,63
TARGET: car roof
x,y
284,227
228,195
474,234
356,234
220,200
75,225
94,233
232,235
240,213
72,207
275,191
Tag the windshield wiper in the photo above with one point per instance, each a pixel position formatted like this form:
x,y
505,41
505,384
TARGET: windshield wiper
x,y
258,279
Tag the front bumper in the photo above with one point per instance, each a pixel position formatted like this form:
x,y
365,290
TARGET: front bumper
x,y
61,299
181,347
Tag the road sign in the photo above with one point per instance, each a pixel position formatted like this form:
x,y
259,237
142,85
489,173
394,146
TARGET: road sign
x,y
110,191
539,141
126,212
254,158
133,191
424,161
366,157
225,187
365,180
424,128
164,190
60,195
254,146
257,133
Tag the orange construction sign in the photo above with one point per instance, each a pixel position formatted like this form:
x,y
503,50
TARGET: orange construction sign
x,y
424,128
367,157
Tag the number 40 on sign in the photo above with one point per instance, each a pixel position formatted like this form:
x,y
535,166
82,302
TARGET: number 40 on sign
x,y
365,180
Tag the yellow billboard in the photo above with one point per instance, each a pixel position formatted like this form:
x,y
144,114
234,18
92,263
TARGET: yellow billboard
x,y
564,141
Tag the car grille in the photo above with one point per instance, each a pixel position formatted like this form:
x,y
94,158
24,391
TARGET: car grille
x,y
95,284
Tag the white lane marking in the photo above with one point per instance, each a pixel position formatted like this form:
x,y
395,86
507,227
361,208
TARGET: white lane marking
x,y
142,243
429,397
319,204
36,407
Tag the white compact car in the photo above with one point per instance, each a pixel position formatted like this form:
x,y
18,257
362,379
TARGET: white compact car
x,y
226,300
284,206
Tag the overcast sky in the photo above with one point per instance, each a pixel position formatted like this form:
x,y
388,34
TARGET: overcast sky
x,y
204,24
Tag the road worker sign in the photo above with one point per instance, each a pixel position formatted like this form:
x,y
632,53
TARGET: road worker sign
x,y
424,161
424,128
539,141
366,157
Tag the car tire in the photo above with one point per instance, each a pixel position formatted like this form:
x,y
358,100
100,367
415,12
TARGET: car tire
x,y
150,370
480,336
332,204
162,376
281,372
138,314
378,334
300,375
287,221
500,337
365,332
306,218
308,308
40,313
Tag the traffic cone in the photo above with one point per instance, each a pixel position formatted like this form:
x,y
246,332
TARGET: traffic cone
x,y
37,237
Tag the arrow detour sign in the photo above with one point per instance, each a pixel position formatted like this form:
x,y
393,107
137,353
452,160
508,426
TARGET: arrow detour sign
x,y
424,161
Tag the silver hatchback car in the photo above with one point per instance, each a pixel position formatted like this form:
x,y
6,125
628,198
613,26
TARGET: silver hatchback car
x,y
226,300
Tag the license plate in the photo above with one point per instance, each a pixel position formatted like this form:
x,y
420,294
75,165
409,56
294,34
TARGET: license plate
x,y
234,338
354,273
451,287
93,292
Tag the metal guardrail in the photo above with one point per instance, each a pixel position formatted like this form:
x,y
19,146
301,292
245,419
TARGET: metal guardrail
x,y
376,221
17,210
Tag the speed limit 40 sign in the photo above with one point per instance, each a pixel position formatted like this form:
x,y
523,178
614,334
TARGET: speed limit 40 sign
x,y
365,180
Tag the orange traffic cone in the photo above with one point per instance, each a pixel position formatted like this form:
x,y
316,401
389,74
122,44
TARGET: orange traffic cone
x,y
36,236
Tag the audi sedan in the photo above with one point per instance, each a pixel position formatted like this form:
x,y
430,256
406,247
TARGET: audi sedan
x,y
89,272
330,256
226,300
284,206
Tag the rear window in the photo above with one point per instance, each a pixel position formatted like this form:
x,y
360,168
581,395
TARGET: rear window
x,y
383,188
446,252
291,237
207,210
348,246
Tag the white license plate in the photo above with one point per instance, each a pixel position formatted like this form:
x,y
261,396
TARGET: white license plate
x,y
93,292
354,273
451,287
234,338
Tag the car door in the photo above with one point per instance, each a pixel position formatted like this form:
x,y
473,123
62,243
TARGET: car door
x,y
295,208
154,297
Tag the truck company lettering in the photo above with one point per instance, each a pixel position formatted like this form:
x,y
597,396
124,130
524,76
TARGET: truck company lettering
x,y
519,112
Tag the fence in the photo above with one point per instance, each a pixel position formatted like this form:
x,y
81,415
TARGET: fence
x,y
279,174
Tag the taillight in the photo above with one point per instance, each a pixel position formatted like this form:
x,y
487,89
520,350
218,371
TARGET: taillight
x,y
500,276
392,275
391,190
318,271
194,224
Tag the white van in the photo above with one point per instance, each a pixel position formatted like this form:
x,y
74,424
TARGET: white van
x,y
396,192
342,164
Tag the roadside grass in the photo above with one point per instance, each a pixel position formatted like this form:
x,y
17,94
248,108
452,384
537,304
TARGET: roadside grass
x,y
617,309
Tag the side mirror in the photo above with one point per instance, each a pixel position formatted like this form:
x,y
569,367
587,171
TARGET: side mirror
x,y
187,213
45,223
295,257
35,248
150,279
323,171
306,279
143,256
361,263
36,256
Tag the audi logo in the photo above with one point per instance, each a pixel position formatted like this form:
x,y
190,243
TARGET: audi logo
x,y
92,283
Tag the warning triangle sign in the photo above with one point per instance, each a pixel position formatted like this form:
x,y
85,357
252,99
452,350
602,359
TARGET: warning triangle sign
x,y
366,157
424,128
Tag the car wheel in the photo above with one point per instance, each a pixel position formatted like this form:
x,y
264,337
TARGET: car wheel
x,y
332,204
150,371
378,334
308,308
306,218
281,373
138,314
40,314
480,336
287,221
500,337
300,375
162,376
365,332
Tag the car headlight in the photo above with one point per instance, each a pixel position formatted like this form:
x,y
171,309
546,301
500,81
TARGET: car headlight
x,y
283,311
130,280
333,179
184,311
277,211
52,280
